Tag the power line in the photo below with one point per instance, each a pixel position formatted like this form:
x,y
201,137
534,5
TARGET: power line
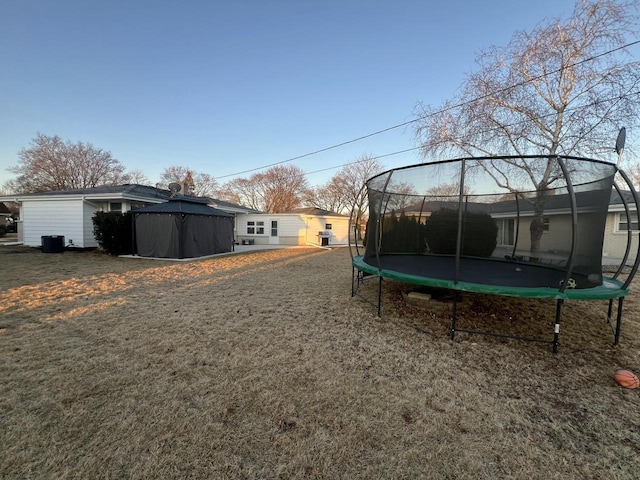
x,y
452,107
359,161
597,102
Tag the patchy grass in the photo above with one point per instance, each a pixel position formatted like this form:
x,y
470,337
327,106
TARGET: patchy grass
x,y
262,366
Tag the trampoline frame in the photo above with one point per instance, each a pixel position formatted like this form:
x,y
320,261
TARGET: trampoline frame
x,y
611,289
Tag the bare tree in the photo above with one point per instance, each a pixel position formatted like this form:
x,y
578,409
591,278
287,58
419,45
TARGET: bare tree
x,y
350,180
331,196
174,173
199,184
242,191
564,88
9,187
445,191
137,177
53,164
633,170
284,188
278,189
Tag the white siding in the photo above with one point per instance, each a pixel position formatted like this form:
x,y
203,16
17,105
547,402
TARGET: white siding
x,y
291,229
241,225
295,229
615,242
52,217
339,233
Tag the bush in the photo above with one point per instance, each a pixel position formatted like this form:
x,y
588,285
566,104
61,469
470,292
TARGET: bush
x,y
480,233
113,232
3,230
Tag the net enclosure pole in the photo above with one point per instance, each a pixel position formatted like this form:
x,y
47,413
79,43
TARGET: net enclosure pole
x,y
460,219
636,200
574,229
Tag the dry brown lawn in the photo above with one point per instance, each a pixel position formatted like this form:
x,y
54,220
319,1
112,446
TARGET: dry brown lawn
x,y
261,365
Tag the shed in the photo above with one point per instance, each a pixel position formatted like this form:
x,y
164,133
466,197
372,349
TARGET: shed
x,y
182,227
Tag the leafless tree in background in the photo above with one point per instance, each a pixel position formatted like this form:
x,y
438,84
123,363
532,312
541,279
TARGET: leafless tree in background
x,y
551,91
344,191
200,184
331,196
278,189
53,164
137,177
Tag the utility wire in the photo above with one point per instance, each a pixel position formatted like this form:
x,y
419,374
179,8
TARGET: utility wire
x,y
451,107
597,102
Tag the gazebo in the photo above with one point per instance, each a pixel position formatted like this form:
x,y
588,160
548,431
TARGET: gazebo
x,y
182,227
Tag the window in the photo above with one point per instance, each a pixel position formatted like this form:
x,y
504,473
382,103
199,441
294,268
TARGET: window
x,y
622,221
274,228
545,226
506,231
255,228
115,207
327,226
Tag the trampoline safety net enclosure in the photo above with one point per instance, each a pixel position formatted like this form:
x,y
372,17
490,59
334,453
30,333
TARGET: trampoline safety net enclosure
x,y
525,226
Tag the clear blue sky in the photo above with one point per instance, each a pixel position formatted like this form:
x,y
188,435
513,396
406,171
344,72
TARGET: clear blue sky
x,y
225,86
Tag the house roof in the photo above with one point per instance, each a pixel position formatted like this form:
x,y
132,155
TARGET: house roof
x,y
186,205
224,205
315,211
117,191
127,192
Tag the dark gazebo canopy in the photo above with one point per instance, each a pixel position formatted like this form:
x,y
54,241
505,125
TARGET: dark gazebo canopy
x,y
183,227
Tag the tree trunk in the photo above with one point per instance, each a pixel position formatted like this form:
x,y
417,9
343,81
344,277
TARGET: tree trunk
x,y
537,223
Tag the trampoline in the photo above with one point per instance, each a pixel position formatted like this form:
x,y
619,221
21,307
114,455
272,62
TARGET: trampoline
x,y
520,226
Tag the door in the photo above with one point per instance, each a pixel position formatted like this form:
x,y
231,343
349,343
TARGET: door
x,y
273,233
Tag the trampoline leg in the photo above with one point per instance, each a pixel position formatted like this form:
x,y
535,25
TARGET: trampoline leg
x,y
556,329
353,278
610,311
453,314
618,322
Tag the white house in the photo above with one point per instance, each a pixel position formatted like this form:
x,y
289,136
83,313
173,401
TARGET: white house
x,y
69,213
557,224
616,228
302,226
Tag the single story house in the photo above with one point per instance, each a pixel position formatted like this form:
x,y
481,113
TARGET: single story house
x,y
69,213
301,226
557,223
616,228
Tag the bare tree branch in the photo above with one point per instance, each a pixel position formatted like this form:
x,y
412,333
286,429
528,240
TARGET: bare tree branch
x,y
52,164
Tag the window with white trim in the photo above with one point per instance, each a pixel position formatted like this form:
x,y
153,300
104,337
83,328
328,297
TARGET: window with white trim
x,y
327,226
255,228
623,226
115,207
